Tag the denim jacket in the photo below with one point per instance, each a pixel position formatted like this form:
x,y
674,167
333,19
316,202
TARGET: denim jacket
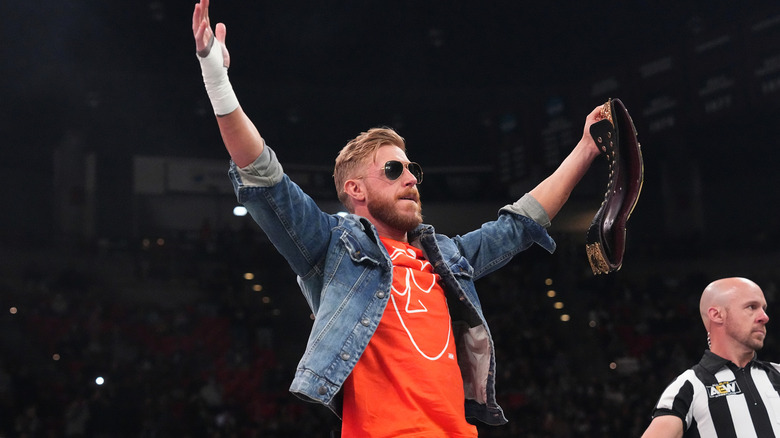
x,y
345,274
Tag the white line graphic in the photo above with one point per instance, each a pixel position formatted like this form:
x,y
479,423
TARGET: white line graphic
x,y
417,307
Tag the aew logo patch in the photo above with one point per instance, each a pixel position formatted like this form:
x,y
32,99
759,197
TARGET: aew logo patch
x,y
724,388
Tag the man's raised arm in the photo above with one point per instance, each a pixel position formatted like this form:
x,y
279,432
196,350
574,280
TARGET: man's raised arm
x,y
554,191
240,135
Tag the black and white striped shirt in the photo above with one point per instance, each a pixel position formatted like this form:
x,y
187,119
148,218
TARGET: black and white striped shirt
x,y
716,398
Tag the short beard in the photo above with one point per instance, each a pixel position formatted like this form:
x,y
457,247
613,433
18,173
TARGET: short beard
x,y
386,212
748,340
755,344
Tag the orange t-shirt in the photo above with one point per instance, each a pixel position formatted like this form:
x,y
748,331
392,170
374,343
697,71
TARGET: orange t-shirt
x,y
407,383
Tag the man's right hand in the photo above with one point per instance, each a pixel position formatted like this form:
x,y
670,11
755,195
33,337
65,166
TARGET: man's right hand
x,y
239,134
201,30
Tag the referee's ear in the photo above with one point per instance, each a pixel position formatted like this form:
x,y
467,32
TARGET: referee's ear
x,y
716,315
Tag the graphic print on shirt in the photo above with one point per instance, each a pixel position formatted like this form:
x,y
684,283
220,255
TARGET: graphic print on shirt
x,y
417,280
723,388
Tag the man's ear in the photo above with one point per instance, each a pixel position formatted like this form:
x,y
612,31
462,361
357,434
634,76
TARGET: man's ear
x,y
715,314
355,190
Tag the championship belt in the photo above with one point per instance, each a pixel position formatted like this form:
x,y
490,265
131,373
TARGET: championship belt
x,y
616,136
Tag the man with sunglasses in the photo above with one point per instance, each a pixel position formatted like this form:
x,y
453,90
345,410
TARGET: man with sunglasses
x,y
399,339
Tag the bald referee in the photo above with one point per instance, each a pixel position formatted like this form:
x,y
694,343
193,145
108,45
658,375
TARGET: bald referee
x,y
729,393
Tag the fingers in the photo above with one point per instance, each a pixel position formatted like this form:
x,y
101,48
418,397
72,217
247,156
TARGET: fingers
x,y
195,18
201,30
200,14
201,27
205,6
203,40
221,33
597,114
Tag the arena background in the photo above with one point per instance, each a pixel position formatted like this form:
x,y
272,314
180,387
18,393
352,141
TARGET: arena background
x,y
121,257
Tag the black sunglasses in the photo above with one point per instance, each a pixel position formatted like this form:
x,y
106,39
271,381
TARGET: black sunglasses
x,y
394,169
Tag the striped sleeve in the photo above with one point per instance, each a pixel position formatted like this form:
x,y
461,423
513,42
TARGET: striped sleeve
x,y
677,399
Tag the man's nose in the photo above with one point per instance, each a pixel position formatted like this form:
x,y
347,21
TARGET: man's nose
x,y
409,178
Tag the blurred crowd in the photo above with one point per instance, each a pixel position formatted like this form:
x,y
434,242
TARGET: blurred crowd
x,y
197,336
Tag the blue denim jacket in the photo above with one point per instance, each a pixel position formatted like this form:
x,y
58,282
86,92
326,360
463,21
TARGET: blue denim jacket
x,y
345,274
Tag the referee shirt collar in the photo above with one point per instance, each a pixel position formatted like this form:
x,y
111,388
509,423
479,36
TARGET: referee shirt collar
x,y
713,363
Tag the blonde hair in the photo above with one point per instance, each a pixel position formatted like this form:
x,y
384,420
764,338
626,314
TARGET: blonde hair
x,y
356,152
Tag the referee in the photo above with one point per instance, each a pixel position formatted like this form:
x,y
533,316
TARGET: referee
x,y
729,393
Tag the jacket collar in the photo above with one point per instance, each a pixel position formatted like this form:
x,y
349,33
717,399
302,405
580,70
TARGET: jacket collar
x,y
419,231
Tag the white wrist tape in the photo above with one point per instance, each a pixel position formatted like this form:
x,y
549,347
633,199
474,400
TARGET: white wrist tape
x,y
215,77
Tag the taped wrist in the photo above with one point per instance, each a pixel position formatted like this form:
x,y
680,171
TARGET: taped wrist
x,y
215,78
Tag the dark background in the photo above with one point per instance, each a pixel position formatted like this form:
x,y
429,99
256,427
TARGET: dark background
x,y
462,82
497,90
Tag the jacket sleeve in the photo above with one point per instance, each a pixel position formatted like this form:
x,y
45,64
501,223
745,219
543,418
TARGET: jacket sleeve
x,y
495,243
293,222
529,207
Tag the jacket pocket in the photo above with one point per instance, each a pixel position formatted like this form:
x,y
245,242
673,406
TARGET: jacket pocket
x,y
462,269
357,251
